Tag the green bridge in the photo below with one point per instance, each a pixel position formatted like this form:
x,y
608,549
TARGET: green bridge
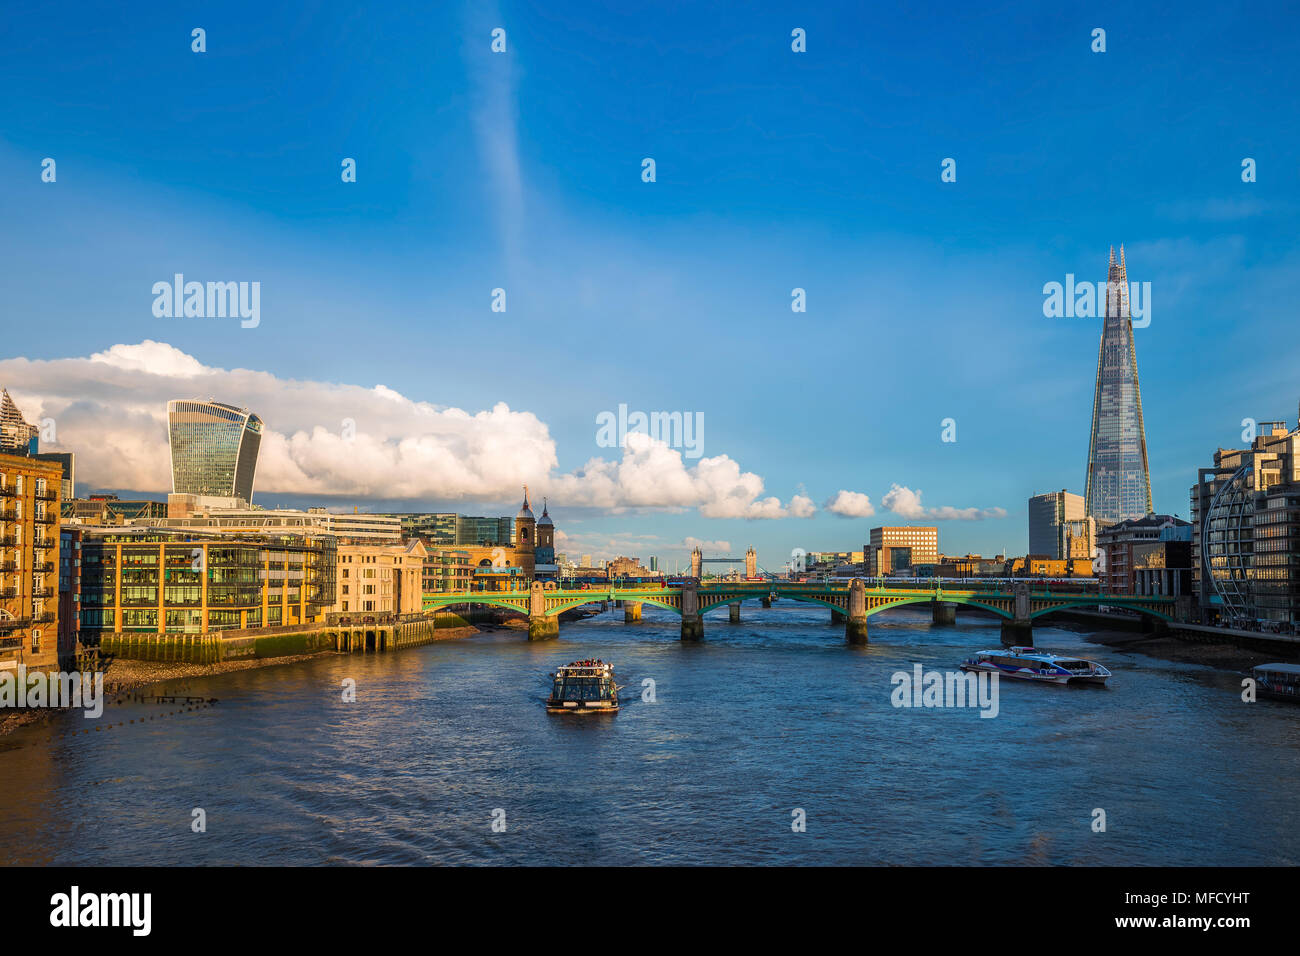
x,y
852,603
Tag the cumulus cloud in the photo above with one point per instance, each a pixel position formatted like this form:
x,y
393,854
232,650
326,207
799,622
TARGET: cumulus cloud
x,y
690,544
801,506
906,503
324,438
851,504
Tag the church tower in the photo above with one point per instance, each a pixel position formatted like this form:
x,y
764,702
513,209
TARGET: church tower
x,y
545,551
525,526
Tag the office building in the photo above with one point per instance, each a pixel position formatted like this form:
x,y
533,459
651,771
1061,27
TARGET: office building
x,y
348,526
29,563
1246,531
1119,482
214,449
105,510
447,569
1151,543
16,436
1060,527
381,579
158,581
451,530
897,550
68,462
69,597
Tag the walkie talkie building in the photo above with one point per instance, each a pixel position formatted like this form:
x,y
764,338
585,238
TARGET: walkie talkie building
x,y
1119,482
214,448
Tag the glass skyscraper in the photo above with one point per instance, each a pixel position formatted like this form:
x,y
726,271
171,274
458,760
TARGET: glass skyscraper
x,y
214,448
1119,482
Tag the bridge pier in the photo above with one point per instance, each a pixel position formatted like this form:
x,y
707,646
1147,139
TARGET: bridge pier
x,y
631,612
855,627
945,613
837,617
734,610
692,622
540,626
1019,631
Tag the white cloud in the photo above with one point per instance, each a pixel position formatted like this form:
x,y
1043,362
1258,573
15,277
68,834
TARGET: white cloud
x,y
850,504
110,408
801,506
708,547
906,503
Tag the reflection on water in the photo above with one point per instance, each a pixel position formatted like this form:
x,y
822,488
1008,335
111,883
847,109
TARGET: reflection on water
x,y
764,717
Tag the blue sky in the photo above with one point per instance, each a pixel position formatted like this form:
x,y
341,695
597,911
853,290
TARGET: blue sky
x,y
775,170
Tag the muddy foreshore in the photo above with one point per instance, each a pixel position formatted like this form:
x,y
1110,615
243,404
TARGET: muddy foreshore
x,y
1222,655
128,676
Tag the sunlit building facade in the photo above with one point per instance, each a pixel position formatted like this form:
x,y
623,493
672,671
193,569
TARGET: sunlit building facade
x,y
29,562
214,449
172,582
1059,526
1246,531
1119,481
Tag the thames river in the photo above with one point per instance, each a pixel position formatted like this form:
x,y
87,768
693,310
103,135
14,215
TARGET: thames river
x,y
447,756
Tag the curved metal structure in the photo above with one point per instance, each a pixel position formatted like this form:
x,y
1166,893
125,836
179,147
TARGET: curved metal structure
x,y
1224,538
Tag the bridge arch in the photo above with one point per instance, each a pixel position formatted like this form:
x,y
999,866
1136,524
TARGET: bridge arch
x,y
598,596
742,598
1093,602
517,604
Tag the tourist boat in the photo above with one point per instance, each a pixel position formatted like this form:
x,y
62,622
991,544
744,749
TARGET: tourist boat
x,y
583,687
1028,663
1279,681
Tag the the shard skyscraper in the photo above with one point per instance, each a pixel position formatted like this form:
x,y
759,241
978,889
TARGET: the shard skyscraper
x,y
1119,482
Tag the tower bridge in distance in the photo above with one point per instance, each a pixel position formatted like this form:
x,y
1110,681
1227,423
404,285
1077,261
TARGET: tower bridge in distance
x,y
852,604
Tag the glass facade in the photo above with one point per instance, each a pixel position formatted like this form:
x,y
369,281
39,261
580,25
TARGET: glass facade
x,y
174,582
214,449
1119,482
1246,527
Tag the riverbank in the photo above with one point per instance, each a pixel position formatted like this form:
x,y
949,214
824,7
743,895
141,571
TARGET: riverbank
x,y
1217,654
124,676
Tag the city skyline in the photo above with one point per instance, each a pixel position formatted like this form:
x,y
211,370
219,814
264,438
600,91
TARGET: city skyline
x,y
924,298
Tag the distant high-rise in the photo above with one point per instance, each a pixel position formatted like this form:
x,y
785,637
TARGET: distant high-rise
x,y
214,449
1059,527
1119,482
16,436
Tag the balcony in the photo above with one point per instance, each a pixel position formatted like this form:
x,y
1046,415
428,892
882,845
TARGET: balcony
x,y
8,492
44,567
8,567
47,496
50,517
14,624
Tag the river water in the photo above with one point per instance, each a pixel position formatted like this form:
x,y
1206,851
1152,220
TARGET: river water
x,y
764,718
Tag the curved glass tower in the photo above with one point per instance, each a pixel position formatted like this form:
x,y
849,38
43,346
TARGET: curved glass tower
x,y
1119,482
214,448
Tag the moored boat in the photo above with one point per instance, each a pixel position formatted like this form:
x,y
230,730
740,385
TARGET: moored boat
x,y
1029,663
1278,681
583,687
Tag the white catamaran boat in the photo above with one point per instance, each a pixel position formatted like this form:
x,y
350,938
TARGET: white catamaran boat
x,y
1028,663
